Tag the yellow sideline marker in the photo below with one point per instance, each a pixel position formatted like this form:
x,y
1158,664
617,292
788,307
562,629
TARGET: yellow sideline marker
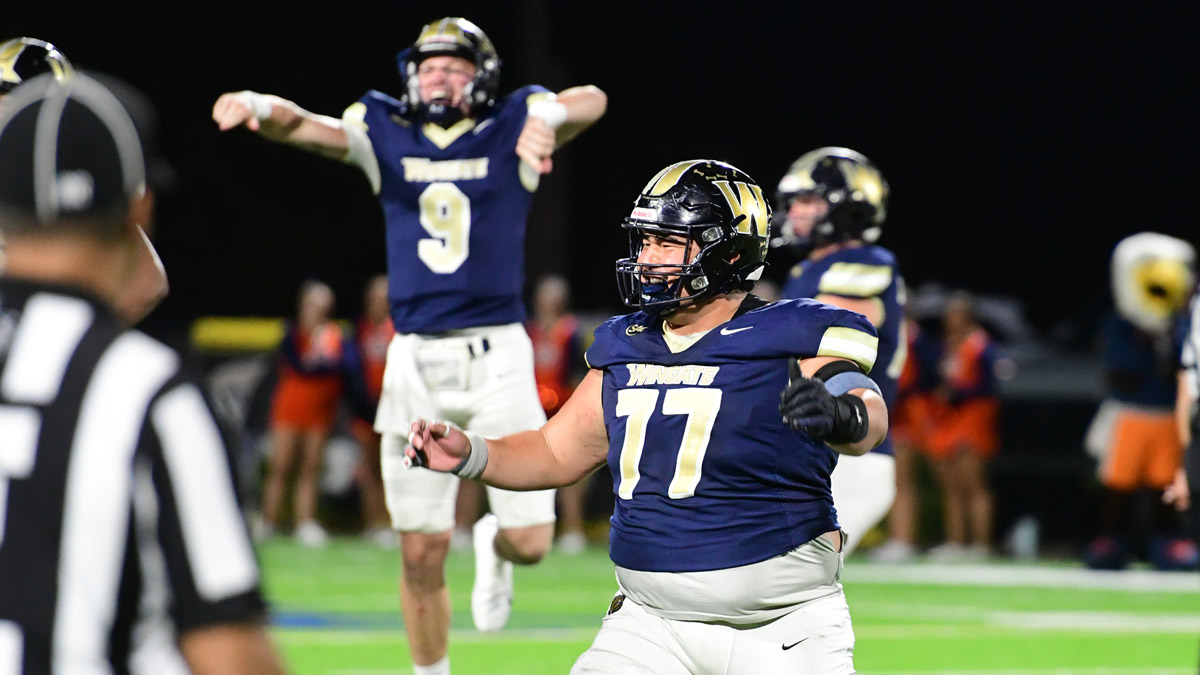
x,y
225,334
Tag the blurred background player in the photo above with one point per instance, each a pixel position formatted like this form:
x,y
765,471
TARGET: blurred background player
x,y
312,379
25,57
963,430
831,207
122,546
1134,435
558,366
455,168
372,334
720,416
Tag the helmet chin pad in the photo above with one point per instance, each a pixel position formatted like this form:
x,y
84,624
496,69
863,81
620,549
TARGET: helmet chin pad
x,y
441,113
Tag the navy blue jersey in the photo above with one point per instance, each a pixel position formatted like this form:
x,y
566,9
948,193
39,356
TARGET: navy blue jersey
x,y
1141,368
706,474
455,209
863,272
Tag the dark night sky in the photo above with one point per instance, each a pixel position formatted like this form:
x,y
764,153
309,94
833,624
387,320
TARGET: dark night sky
x,y
1021,142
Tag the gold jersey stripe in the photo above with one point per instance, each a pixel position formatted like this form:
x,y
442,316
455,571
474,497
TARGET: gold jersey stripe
x,y
539,96
856,279
444,137
850,343
356,113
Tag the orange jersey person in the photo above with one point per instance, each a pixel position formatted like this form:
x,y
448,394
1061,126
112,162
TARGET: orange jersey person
x,y
965,407
909,417
556,360
372,337
311,378
557,345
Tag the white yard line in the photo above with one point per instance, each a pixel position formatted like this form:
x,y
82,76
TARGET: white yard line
x,y
1098,620
1044,671
351,636
1123,622
1035,576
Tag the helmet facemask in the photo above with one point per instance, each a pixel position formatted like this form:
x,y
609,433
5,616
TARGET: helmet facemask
x,y
718,259
450,37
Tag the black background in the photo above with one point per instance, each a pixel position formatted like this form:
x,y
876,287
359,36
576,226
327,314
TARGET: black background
x,y
1021,142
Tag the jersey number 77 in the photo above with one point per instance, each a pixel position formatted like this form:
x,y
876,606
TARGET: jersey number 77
x,y
701,406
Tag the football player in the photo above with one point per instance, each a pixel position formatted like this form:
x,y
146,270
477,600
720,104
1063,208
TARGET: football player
x,y
454,166
831,205
146,282
724,536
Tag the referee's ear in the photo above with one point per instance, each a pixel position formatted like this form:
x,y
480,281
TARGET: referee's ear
x,y
141,214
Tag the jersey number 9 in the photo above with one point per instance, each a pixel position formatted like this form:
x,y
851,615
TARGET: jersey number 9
x,y
446,216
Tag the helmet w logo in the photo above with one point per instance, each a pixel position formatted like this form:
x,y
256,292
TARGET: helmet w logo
x,y
750,210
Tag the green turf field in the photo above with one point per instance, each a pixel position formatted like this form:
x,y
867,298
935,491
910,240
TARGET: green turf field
x,y
336,612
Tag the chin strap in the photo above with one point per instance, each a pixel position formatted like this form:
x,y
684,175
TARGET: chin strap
x,y
442,115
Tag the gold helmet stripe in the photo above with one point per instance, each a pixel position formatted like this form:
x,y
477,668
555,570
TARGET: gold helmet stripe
x,y
865,180
668,177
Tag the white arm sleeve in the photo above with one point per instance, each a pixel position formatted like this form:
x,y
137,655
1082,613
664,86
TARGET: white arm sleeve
x,y
361,153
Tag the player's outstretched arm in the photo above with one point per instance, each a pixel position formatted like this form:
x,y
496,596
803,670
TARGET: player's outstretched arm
x,y
852,423
281,120
551,123
567,448
585,105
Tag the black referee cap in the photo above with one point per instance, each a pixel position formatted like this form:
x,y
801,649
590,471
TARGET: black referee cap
x,y
68,150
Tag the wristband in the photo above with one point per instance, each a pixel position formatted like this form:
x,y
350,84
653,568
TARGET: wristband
x,y
475,462
552,113
850,422
843,382
258,103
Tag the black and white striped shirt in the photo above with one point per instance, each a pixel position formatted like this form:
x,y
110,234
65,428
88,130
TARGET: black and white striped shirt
x,y
120,527
1189,359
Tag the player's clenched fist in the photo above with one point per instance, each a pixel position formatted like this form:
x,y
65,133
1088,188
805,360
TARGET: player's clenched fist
x,y
440,446
536,144
806,405
241,108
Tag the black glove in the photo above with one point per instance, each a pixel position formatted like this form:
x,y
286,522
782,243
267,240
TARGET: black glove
x,y
806,405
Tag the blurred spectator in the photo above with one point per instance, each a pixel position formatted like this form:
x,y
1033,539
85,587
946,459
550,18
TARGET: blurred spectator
x,y
372,334
303,410
909,424
1134,436
963,411
558,366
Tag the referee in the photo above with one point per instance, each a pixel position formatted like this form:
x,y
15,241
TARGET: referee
x,y
1184,490
122,546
